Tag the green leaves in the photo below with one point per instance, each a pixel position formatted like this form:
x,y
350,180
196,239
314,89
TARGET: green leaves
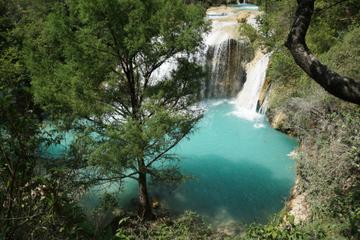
x,y
187,226
276,231
95,60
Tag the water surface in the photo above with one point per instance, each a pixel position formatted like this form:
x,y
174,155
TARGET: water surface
x,y
242,169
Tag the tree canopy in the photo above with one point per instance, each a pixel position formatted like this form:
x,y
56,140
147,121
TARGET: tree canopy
x,y
97,62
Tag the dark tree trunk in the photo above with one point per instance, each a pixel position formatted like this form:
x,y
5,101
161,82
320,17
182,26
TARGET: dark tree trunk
x,y
342,87
145,210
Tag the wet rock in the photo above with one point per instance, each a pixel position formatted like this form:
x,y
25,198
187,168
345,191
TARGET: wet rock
x,y
226,67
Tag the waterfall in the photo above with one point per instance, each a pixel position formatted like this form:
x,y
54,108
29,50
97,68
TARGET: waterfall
x,y
226,63
247,100
226,55
229,61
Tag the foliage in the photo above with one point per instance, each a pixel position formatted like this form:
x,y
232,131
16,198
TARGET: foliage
x,y
91,69
250,32
344,56
276,231
92,66
328,129
187,226
275,24
95,66
34,202
46,211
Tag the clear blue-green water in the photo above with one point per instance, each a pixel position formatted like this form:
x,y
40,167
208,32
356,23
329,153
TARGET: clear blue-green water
x,y
245,6
241,170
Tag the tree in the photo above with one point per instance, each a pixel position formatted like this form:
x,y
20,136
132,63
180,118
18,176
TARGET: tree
x,y
96,63
34,202
18,123
345,88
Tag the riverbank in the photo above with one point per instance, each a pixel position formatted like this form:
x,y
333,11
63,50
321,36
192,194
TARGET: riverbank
x,y
325,199
231,20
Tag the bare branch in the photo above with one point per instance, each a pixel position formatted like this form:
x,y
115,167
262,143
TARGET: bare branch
x,y
342,87
170,147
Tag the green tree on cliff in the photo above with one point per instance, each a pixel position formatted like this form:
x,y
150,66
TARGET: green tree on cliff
x,y
96,64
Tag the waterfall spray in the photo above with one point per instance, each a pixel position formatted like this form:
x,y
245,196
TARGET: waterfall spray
x,y
247,100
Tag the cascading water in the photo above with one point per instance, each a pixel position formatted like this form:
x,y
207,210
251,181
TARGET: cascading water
x,y
226,66
227,54
234,180
247,100
242,173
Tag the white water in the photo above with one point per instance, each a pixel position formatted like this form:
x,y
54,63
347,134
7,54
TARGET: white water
x,y
224,27
221,30
246,101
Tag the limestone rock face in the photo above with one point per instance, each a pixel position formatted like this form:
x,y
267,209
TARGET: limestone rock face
x,y
297,206
278,120
225,64
263,93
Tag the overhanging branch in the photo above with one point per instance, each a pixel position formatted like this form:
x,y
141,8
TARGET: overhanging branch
x,y
342,87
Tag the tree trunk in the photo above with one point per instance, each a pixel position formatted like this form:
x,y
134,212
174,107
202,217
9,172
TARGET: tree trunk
x,y
342,87
145,211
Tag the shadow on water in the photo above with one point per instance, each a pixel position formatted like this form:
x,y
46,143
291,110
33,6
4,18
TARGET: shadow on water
x,y
241,173
224,190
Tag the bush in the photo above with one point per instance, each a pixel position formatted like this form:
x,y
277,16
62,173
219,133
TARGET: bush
x,y
328,163
187,226
285,232
248,31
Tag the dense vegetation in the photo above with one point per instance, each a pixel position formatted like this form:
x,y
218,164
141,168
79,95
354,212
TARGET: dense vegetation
x,y
126,117
37,199
75,63
328,159
87,67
